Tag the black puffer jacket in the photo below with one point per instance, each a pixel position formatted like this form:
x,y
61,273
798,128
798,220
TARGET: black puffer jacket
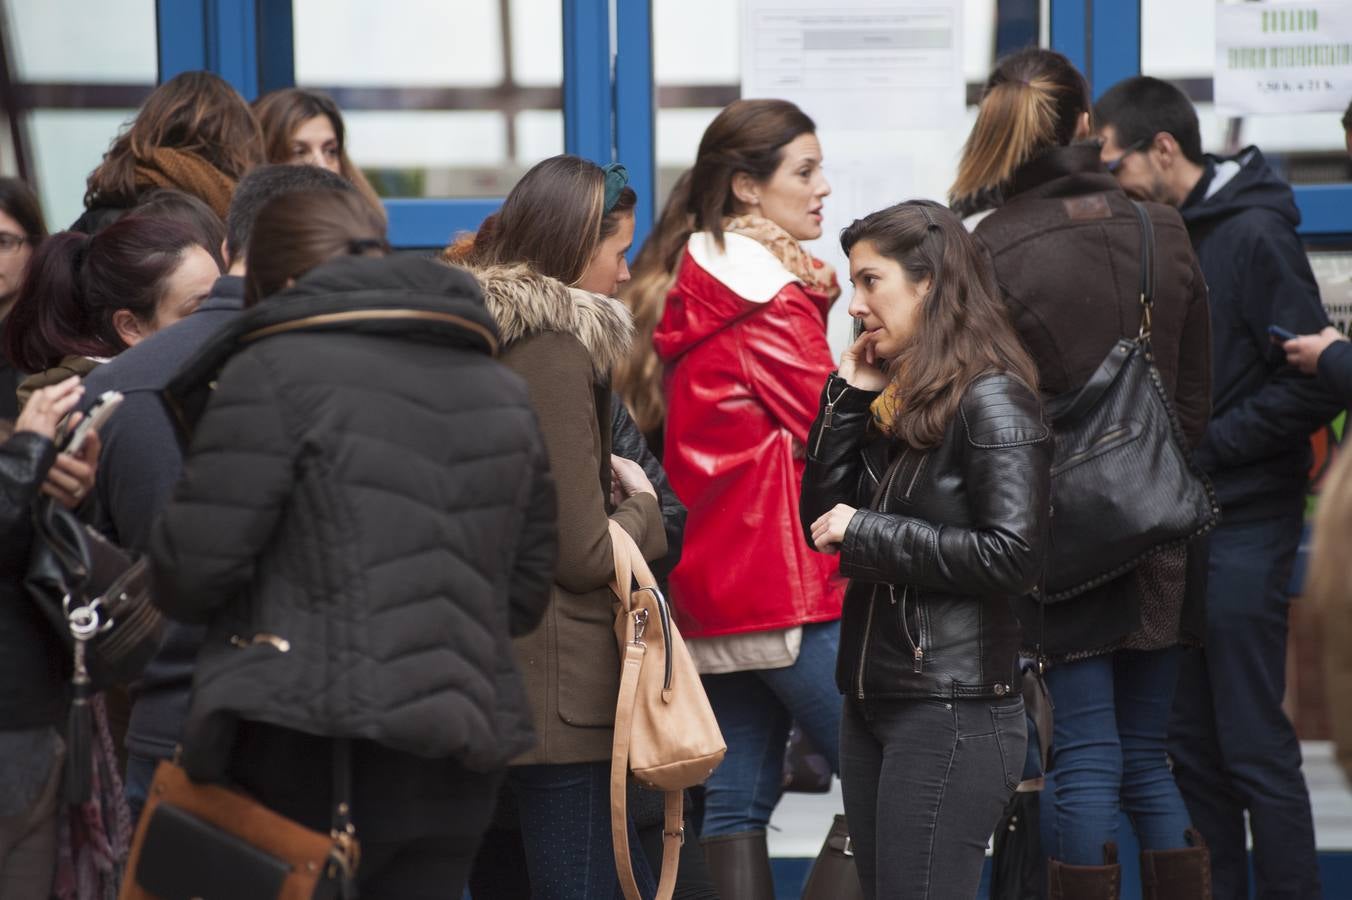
x,y
365,517
32,689
959,532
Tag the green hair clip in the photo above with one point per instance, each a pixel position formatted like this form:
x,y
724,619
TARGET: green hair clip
x,y
617,179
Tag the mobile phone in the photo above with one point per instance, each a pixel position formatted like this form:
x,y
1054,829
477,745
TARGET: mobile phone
x,y
856,329
100,413
1281,334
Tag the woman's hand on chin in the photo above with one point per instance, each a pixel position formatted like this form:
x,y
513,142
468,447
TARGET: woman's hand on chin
x,y
859,364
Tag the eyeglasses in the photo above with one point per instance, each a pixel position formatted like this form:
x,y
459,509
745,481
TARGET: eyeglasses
x,y
11,242
1113,165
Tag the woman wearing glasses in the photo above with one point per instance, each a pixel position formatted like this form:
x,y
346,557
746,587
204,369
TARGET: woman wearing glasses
x,y
1065,243
21,230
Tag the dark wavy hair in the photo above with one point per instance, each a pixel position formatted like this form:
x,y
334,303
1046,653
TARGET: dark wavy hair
x,y
76,282
963,330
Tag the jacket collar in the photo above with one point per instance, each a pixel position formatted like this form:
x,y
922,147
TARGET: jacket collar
x,y
1062,171
402,296
227,295
523,302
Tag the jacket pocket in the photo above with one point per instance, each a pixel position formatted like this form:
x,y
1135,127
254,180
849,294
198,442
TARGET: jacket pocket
x,y
588,662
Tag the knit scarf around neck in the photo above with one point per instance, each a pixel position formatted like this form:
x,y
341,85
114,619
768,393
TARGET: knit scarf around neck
x,y
817,275
187,172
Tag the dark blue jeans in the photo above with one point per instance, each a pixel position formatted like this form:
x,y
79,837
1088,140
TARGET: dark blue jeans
x,y
754,711
565,830
1109,754
1233,747
136,783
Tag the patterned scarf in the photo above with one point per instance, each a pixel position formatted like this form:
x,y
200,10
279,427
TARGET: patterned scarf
x,y
817,275
884,408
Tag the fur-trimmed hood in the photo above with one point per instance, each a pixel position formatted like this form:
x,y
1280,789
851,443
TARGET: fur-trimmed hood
x,y
524,302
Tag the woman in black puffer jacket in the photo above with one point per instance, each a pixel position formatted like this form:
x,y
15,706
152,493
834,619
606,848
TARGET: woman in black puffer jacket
x,y
930,476
365,519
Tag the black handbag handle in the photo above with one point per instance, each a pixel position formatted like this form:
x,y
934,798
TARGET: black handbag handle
x,y
1147,270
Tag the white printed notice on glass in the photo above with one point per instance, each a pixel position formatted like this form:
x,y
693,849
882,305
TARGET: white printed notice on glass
x,y
867,64
1283,56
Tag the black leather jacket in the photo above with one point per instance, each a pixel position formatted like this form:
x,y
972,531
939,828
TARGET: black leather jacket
x,y
959,531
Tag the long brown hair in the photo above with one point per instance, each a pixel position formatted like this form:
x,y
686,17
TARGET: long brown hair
x,y
281,113
963,330
299,230
1033,101
196,112
638,377
553,220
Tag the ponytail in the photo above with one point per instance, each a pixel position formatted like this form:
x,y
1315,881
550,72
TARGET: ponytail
x,y
1033,101
50,317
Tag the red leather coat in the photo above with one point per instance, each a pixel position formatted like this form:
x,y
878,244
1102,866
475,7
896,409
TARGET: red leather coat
x,y
744,341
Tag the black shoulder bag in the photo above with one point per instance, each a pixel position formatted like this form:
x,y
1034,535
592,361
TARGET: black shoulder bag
x,y
1123,480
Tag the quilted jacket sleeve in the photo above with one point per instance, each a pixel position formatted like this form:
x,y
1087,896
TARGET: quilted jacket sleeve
x,y
533,574
1006,454
237,477
786,359
558,373
24,461
627,441
833,451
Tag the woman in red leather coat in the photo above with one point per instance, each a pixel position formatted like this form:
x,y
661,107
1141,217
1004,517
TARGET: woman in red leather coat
x,y
743,337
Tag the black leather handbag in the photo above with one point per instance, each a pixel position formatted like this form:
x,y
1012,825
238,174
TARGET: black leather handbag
x,y
1123,480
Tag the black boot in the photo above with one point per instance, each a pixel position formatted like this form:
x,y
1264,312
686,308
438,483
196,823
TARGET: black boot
x,y
740,866
1086,882
1177,874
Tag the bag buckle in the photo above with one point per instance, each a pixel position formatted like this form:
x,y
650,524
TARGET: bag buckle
x,y
848,850
640,625
677,834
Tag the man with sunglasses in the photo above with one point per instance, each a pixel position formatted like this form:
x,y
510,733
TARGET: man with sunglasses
x,y
1233,747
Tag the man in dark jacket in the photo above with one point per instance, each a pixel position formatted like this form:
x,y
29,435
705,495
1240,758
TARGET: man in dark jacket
x,y
142,459
1327,355
1233,747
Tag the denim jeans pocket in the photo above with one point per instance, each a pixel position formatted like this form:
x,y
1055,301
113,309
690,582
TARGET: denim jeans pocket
x,y
1011,736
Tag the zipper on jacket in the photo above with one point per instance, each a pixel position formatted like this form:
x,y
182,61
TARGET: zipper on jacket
x,y
863,651
828,413
280,644
917,646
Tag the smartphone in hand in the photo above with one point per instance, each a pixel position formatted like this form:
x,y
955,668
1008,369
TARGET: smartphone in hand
x,y
100,413
1280,334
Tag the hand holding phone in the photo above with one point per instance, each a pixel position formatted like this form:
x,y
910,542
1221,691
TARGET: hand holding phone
x,y
102,411
1280,334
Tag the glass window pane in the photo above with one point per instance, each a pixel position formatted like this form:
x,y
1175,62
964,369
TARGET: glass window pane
x,y
67,144
68,41
1178,44
441,99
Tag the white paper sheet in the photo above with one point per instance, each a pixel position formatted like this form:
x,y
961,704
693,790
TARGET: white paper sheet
x,y
1283,56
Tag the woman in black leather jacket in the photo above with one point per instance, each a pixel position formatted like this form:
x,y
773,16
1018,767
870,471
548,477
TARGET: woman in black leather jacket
x,y
33,663
937,402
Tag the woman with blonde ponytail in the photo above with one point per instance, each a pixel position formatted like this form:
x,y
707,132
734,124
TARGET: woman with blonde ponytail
x,y
1066,247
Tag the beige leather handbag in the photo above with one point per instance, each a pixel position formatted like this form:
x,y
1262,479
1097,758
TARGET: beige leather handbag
x,y
665,730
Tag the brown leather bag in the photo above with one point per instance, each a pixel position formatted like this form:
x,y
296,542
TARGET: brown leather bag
x,y
205,840
665,730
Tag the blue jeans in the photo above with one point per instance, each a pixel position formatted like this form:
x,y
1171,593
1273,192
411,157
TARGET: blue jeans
x,y
1233,747
565,830
755,710
136,784
1109,755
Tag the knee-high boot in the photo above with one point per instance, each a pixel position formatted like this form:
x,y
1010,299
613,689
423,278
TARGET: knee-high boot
x,y
1177,874
1065,882
740,866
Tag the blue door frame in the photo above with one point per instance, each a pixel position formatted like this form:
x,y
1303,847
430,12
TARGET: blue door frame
x,y
608,103
1103,38
608,106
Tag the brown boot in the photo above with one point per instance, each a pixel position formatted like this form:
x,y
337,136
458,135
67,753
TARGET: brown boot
x,y
740,866
1177,874
1086,882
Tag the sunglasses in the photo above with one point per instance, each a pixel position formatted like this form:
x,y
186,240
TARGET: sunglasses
x,y
1116,164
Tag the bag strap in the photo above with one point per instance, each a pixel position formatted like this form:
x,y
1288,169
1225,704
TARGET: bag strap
x,y
673,830
346,853
1147,269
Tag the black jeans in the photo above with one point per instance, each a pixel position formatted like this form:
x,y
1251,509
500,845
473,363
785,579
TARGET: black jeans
x,y
426,868
925,782
1232,745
